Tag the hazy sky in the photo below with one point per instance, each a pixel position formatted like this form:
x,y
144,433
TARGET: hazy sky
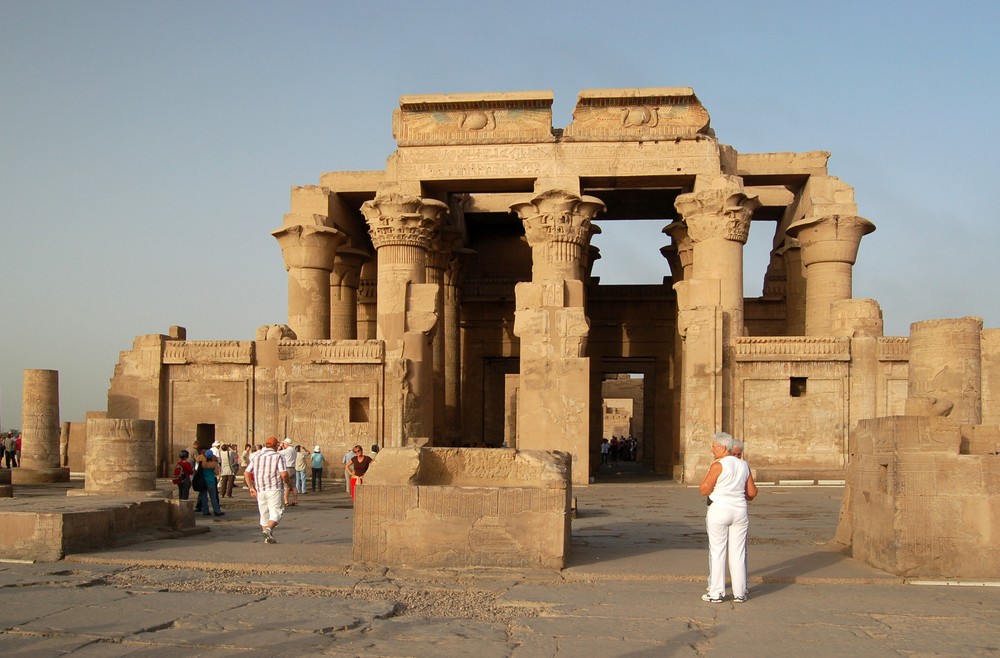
x,y
147,148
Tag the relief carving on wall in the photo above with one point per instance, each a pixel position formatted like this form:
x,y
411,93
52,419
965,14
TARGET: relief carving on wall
x,y
638,114
452,119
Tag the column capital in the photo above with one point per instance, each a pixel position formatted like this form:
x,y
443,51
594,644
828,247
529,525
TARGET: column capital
x,y
308,244
680,252
830,238
558,228
398,219
719,209
559,216
347,266
445,242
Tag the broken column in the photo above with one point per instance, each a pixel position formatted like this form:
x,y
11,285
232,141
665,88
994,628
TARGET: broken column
x,y
550,319
121,456
945,367
40,432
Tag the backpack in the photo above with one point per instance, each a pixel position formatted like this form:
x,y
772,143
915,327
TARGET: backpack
x,y
179,474
198,481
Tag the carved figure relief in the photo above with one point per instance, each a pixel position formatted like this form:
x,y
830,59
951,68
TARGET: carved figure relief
x,y
478,120
633,117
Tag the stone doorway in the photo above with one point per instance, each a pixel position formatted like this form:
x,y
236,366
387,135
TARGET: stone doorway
x,y
629,388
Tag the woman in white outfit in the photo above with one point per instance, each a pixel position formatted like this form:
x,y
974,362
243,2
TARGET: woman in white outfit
x,y
728,485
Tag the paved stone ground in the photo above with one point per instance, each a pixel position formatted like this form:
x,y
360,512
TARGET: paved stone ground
x,y
632,588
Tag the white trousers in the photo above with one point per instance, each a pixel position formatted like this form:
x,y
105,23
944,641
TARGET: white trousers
x,y
271,505
727,534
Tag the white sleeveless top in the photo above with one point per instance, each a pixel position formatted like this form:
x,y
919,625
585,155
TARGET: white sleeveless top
x,y
730,488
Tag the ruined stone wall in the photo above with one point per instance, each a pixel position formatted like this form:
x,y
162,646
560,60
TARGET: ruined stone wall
x,y
326,393
917,506
793,395
455,507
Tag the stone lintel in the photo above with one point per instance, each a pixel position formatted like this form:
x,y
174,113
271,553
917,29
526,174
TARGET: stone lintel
x,y
809,163
310,200
625,115
496,118
352,182
771,196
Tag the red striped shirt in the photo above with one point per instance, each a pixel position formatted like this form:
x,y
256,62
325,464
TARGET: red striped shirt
x,y
267,467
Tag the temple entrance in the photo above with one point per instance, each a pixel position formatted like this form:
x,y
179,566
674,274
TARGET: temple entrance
x,y
633,405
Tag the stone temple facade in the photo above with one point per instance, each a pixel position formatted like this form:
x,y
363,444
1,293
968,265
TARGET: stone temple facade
x,y
447,300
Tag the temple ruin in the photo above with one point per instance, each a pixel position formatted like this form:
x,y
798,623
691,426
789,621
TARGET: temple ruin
x,y
448,299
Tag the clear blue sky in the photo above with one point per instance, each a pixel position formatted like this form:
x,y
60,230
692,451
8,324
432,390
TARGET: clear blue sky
x,y
147,148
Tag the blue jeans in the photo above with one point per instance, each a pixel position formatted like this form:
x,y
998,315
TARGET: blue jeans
x,y
300,481
184,489
210,493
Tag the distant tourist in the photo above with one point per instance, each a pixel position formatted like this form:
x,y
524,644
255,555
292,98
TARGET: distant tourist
x,y
182,475
288,453
227,471
301,457
728,485
357,467
317,460
209,466
9,447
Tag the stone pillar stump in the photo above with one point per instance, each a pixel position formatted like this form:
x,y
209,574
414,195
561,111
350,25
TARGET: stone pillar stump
x,y
40,432
121,456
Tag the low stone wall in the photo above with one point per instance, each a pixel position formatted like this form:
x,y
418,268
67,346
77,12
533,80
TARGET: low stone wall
x,y
79,525
464,507
923,498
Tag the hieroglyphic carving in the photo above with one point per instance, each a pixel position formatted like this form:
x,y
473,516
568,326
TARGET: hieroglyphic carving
x,y
893,348
793,348
521,160
207,351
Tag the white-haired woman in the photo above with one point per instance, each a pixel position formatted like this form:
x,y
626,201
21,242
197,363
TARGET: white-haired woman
x,y
728,485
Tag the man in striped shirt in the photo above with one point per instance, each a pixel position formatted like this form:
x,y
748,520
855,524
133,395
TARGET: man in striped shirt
x,y
266,477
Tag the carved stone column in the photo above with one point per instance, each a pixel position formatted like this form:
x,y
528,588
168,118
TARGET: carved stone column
x,y
710,310
553,407
680,252
401,228
40,430
946,368
121,456
829,249
717,215
308,246
438,256
795,288
453,343
367,301
344,282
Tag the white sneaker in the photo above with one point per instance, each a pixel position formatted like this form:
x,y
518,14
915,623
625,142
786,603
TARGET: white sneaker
x,y
740,599
268,536
708,598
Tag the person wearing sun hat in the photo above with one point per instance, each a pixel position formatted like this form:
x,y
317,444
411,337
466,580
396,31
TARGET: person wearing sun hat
x,y
316,460
288,452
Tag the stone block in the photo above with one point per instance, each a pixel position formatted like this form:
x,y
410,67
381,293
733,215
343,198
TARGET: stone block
x,y
464,507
